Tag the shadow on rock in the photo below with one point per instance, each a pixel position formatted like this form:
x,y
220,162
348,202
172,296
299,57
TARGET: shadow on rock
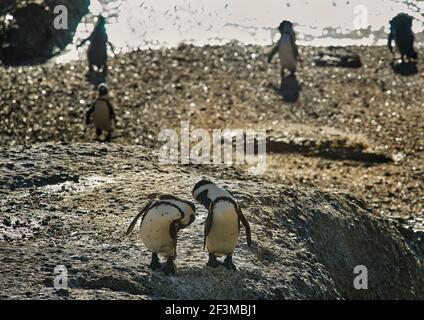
x,y
404,68
337,57
290,88
96,77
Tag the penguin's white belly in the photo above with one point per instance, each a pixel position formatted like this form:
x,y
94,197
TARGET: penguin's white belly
x,y
154,230
224,233
101,116
287,58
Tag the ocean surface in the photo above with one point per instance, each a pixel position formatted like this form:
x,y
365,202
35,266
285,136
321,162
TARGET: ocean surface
x,y
133,24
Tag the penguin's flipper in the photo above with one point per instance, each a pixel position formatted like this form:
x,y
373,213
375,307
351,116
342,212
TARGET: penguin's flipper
x,y
83,42
88,114
246,225
173,232
111,111
294,46
208,226
272,53
141,213
389,41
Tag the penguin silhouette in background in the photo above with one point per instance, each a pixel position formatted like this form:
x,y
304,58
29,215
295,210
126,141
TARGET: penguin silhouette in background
x,y
103,113
286,48
401,32
97,50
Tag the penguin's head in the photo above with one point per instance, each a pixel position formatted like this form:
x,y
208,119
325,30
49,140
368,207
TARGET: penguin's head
x,y
103,89
285,26
101,21
189,215
401,22
199,196
187,206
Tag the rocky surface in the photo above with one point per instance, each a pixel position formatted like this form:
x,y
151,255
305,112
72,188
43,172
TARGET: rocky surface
x,y
232,86
71,204
68,202
27,32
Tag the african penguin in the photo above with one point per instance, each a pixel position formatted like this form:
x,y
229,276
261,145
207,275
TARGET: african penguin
x,y
222,226
103,113
401,32
97,50
161,219
286,48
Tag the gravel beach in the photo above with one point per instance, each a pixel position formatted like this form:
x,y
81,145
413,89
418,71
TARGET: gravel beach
x,y
232,86
66,199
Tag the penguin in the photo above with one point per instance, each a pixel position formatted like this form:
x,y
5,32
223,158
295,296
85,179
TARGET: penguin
x,y
401,32
161,219
103,113
222,226
286,48
97,50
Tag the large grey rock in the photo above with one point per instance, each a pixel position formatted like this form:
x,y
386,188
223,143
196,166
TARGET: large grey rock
x,y
71,204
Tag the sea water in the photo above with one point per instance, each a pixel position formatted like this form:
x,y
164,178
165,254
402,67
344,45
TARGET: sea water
x,y
139,24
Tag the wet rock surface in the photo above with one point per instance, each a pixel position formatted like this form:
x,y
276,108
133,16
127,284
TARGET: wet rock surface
x,y
27,32
306,242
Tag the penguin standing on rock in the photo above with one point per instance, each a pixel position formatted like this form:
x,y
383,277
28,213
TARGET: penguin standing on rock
x,y
103,113
222,226
286,48
401,32
161,219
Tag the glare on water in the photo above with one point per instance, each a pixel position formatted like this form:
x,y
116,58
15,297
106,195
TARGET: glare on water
x,y
136,24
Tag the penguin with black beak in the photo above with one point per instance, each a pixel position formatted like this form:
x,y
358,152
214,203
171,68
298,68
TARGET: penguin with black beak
x,y
286,48
401,32
222,226
103,113
161,219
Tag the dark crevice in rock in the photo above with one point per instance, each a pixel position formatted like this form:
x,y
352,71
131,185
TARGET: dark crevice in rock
x,y
21,182
312,149
111,283
337,57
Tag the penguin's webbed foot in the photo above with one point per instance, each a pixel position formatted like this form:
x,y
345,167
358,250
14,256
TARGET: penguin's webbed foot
x,y
155,264
213,262
228,263
169,267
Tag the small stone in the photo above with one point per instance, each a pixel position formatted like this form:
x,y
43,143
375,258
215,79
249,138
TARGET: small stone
x,y
7,221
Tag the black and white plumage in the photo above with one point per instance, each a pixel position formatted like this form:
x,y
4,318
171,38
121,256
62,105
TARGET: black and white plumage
x,y
102,112
401,32
97,50
161,219
222,226
286,48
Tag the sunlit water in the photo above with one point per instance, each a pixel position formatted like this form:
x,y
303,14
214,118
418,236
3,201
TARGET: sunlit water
x,y
142,24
